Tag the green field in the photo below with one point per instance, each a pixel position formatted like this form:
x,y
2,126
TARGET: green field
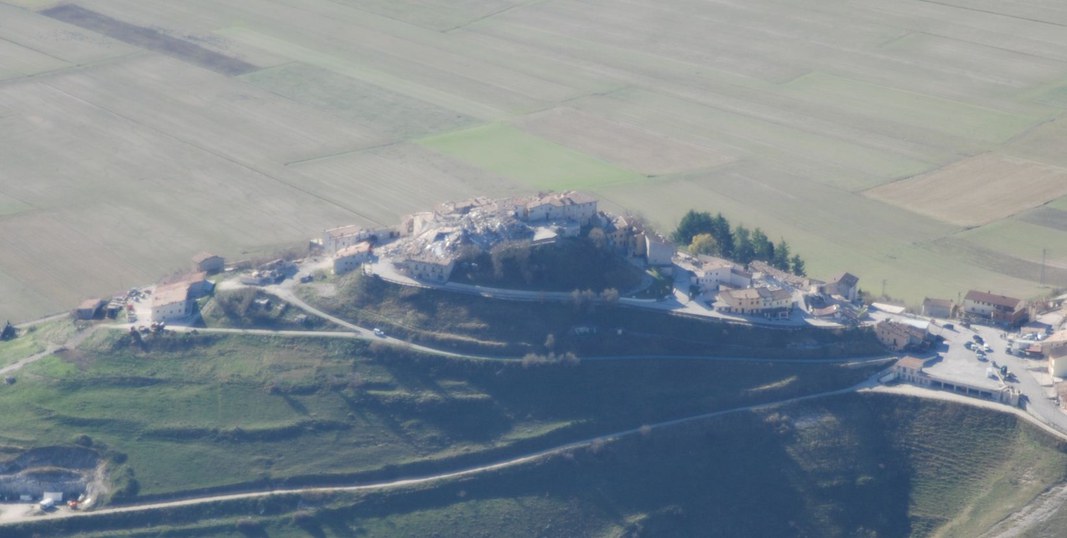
x,y
1022,240
532,160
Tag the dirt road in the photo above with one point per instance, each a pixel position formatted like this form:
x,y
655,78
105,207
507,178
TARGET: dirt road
x,y
405,482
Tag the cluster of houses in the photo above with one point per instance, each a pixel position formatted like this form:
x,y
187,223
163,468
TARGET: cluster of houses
x,y
980,307
351,246
762,290
977,307
172,299
427,245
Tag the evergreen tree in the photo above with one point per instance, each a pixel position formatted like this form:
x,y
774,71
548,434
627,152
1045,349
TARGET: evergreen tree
x,y
723,236
743,251
797,266
762,247
692,223
781,255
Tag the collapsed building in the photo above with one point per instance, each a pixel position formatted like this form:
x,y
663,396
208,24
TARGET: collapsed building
x,y
432,241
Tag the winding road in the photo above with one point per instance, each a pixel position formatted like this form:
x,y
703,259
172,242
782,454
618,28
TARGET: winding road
x,y
450,475
284,291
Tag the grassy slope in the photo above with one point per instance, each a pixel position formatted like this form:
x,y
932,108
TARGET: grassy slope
x,y
489,326
34,339
205,411
870,465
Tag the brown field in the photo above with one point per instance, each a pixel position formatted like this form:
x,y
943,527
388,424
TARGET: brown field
x,y
817,123
977,191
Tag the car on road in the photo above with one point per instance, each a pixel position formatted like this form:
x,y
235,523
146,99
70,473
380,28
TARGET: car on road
x,y
379,332
949,326
306,278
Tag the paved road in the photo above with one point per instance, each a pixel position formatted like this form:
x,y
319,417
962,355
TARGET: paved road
x,y
284,292
678,304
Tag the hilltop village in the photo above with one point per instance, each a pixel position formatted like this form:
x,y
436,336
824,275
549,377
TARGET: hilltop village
x,y
990,347
427,248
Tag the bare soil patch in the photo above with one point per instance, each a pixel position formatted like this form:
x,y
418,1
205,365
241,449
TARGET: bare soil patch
x,y
978,190
149,39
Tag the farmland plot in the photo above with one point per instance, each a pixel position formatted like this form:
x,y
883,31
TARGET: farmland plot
x,y
978,190
1024,240
626,145
17,61
58,41
532,160
361,103
833,160
1043,143
125,202
386,183
778,113
191,21
221,117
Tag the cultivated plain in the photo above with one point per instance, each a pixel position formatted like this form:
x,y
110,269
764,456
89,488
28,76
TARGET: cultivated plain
x,y
135,133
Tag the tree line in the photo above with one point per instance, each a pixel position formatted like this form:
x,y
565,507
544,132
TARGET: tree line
x,y
704,233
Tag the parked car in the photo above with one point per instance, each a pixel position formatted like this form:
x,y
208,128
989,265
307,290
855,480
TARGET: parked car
x,y
969,345
979,339
379,332
949,326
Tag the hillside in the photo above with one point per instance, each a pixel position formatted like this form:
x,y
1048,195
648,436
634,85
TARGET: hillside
x,y
845,466
588,328
185,413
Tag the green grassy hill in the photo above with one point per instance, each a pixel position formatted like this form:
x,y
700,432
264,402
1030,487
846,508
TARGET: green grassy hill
x,y
856,465
487,326
184,412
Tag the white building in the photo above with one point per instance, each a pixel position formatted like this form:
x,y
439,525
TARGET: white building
x,y
658,251
336,239
710,273
569,205
756,301
351,257
171,302
429,268
843,284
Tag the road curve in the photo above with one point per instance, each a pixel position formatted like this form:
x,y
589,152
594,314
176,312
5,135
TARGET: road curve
x,y
412,481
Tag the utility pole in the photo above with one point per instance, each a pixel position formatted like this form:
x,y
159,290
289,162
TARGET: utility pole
x,y
1044,251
